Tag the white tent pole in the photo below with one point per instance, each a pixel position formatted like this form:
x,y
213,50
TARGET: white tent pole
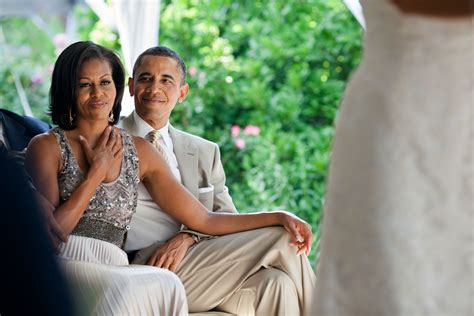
x,y
19,87
356,10
22,94
42,25
102,10
138,23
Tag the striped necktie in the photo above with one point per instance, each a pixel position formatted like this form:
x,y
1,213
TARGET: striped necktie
x,y
155,138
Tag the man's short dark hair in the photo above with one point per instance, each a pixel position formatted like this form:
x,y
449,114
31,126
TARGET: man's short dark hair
x,y
165,52
64,82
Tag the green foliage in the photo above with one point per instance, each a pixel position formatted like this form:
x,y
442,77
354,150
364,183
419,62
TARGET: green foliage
x,y
276,64
90,28
27,54
280,65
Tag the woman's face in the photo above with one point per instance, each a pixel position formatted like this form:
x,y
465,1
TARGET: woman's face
x,y
96,92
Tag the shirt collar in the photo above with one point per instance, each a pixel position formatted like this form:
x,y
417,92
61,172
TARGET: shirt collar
x,y
143,128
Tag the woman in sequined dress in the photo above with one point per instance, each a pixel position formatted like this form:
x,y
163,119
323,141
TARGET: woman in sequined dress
x,y
93,188
91,176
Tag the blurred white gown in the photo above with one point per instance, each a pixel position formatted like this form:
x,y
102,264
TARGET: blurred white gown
x,y
397,233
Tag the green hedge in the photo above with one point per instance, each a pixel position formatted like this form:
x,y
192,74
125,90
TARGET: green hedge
x,y
279,65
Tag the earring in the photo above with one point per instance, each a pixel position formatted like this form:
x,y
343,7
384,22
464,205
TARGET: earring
x,y
70,117
111,117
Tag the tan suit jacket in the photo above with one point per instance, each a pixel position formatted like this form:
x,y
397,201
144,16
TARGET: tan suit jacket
x,y
200,167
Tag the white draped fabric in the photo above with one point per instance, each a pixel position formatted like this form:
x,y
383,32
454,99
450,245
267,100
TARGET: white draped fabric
x,y
138,25
137,22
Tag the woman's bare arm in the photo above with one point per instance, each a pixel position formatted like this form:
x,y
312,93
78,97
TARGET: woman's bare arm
x,y
174,199
43,163
441,8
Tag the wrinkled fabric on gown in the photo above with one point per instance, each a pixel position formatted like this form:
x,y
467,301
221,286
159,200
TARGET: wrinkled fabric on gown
x,y
397,233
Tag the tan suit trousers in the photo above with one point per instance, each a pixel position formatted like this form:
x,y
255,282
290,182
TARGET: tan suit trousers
x,y
255,272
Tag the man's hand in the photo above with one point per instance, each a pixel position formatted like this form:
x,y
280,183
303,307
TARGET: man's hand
x,y
55,232
170,254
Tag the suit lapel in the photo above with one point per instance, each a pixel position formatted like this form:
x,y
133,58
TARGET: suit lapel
x,y
187,155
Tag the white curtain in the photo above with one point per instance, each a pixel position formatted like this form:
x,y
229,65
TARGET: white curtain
x,y
138,23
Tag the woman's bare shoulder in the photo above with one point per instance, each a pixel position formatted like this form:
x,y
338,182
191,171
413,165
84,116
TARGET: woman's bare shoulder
x,y
43,151
44,140
43,145
142,145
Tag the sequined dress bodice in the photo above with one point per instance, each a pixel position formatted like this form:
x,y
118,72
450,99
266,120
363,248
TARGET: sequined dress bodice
x,y
110,209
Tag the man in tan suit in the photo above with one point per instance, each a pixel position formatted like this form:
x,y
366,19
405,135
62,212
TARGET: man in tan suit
x,y
254,272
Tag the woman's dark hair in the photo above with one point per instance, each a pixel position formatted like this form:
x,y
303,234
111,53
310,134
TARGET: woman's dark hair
x,y
64,83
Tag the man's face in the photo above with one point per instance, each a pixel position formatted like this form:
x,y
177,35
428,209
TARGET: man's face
x,y
156,87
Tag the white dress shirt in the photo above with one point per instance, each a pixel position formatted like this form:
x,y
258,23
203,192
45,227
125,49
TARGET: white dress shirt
x,y
150,224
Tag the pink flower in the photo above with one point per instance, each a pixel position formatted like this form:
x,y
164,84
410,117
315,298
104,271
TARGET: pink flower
x,y
251,130
202,76
36,78
192,71
240,143
51,69
235,130
60,40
